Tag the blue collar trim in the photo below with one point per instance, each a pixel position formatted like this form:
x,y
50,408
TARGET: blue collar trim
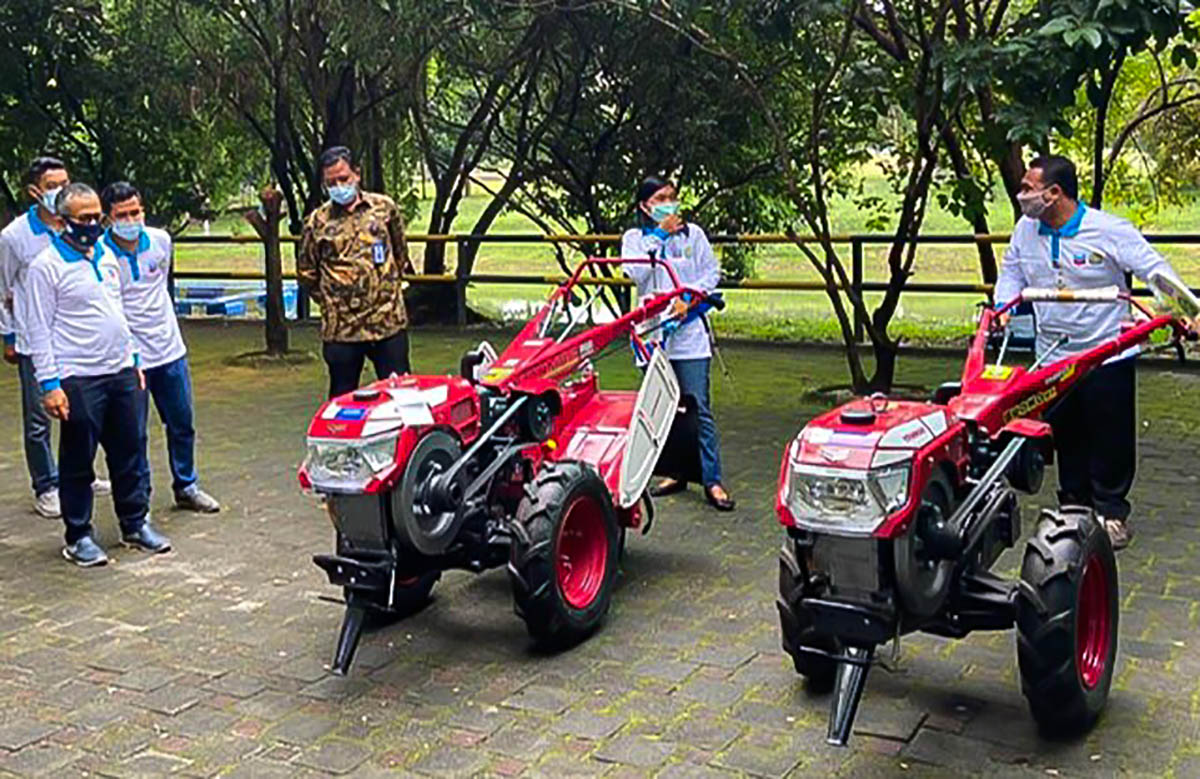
x,y
1068,230
130,256
36,224
70,254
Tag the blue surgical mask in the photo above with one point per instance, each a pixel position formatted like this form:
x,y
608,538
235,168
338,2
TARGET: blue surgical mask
x,y
343,194
49,197
128,231
662,210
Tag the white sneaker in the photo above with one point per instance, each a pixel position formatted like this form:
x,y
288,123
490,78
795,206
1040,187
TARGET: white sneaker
x,y
47,504
101,487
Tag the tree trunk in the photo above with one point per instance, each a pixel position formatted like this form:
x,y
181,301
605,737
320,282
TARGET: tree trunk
x,y
884,375
266,224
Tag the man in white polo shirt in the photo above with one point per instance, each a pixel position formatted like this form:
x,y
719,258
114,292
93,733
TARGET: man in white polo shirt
x,y
144,256
1061,243
86,364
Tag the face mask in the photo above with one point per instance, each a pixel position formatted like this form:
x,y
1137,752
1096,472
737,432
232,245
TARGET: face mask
x,y
1032,204
84,234
127,231
343,194
49,197
662,210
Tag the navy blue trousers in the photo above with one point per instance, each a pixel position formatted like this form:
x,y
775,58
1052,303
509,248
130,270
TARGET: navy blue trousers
x,y
105,411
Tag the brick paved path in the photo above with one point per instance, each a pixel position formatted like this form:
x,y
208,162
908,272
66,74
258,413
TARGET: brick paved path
x,y
210,661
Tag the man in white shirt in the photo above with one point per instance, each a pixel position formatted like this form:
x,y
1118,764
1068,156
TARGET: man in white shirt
x,y
1061,243
144,256
85,361
22,240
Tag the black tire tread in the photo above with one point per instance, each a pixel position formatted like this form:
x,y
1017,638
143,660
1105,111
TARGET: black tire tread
x,y
819,672
531,567
1046,601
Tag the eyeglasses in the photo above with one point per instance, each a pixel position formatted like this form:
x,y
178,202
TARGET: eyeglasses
x,y
87,219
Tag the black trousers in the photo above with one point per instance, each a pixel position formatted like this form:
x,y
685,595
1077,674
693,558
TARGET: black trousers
x,y
345,360
105,411
1095,436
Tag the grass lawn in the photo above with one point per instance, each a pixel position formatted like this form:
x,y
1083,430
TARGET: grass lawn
x,y
761,314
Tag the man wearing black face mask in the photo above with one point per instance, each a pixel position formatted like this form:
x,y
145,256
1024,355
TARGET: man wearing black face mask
x,y
1061,243
86,363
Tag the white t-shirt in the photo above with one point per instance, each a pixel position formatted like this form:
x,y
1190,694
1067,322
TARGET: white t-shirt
x,y
76,324
147,299
690,254
20,242
1092,250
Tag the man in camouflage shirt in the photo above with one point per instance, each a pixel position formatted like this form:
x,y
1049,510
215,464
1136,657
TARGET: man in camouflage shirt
x,y
350,259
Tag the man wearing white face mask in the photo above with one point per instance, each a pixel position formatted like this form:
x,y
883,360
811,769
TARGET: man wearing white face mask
x,y
20,242
350,259
1061,243
144,256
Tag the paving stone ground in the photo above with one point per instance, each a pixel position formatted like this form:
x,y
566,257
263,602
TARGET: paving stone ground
x,y
211,660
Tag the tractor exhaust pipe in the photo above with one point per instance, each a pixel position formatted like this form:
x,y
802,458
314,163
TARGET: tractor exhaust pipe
x,y
347,645
847,692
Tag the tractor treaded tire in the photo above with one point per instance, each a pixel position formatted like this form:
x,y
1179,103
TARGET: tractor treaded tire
x,y
1047,598
819,672
537,596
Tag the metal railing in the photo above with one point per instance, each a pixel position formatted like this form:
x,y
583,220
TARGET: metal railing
x,y
856,242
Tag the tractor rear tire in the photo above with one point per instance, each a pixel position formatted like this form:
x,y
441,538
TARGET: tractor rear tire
x,y
565,554
1068,608
819,672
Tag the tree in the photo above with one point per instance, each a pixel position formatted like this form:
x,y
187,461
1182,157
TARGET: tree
x,y
95,84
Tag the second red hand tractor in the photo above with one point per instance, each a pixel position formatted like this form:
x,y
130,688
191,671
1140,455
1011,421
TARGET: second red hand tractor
x,y
895,512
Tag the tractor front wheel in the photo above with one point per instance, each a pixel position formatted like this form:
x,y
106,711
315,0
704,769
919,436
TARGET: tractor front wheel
x,y
565,552
1067,613
819,672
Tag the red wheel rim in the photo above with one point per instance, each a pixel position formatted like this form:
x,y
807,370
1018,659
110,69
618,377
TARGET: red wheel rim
x,y
582,553
1092,624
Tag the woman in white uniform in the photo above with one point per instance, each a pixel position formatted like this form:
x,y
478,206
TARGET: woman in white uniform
x,y
661,233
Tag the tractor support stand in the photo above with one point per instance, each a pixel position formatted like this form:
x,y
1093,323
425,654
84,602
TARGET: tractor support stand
x,y
853,665
352,627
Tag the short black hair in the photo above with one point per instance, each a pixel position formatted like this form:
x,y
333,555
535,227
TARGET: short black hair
x,y
40,165
75,189
118,192
1057,169
330,157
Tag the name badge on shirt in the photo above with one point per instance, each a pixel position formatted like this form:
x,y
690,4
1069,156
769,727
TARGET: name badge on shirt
x,y
379,252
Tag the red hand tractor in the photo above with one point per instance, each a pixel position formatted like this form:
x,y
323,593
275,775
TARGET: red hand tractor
x,y
521,461
895,512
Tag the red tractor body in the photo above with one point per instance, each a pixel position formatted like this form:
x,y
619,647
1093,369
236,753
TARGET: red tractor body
x,y
522,461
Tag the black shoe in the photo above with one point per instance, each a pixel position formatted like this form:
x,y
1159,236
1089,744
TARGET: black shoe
x,y
667,487
147,539
720,504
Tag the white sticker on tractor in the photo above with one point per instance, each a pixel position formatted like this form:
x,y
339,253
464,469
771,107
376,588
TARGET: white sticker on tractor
x,y
910,435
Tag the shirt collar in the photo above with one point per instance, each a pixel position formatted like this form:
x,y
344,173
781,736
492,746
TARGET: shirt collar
x,y
36,224
1068,230
121,251
70,254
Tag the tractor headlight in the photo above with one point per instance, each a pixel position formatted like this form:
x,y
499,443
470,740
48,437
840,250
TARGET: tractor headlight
x,y
348,465
837,500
